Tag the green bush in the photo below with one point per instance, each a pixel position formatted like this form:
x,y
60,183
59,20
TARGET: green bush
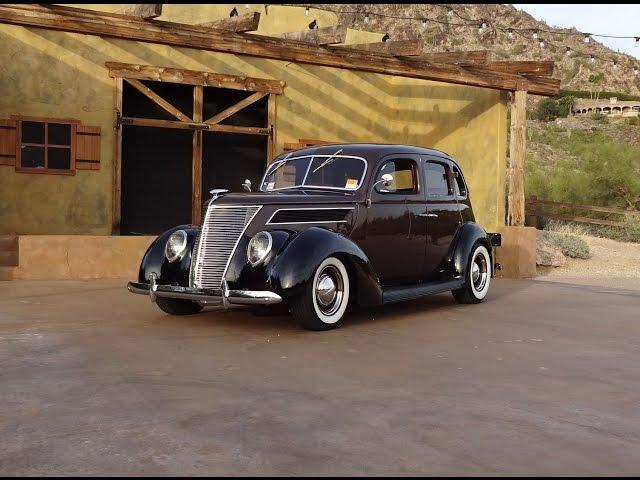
x,y
600,118
633,121
629,233
518,49
551,108
571,245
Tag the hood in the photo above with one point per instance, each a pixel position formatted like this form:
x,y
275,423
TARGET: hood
x,y
294,197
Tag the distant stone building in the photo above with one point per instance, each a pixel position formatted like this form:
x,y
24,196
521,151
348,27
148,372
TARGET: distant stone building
x,y
609,106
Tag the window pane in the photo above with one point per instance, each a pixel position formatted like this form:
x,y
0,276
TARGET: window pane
x,y
59,134
339,172
60,158
461,190
32,132
403,173
32,157
436,179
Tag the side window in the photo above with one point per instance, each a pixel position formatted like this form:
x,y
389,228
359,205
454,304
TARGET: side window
x,y
437,180
461,188
404,173
45,146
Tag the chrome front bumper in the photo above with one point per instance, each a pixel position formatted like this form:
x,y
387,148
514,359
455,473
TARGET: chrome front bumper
x,y
222,296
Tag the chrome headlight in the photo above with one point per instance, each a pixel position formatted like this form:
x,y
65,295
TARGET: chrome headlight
x,y
258,248
176,245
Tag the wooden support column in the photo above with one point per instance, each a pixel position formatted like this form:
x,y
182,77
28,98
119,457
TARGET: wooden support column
x,y
117,160
196,161
271,125
517,153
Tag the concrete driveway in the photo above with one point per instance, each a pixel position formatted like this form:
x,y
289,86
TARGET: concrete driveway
x,y
542,378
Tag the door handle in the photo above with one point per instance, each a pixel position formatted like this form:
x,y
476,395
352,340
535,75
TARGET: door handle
x,y
433,215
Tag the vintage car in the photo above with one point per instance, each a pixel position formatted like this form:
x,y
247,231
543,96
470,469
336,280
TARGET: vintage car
x,y
330,226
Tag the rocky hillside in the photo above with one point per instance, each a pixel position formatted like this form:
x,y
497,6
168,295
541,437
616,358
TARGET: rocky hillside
x,y
574,70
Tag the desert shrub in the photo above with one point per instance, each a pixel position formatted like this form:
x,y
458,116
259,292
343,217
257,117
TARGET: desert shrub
x,y
629,233
600,118
633,121
551,108
571,245
518,49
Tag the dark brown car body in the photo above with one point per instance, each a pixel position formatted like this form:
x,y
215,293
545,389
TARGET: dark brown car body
x,y
396,246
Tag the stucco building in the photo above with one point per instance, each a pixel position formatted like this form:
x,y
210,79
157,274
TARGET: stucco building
x,y
121,126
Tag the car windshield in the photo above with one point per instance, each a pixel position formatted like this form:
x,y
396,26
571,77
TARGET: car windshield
x,y
341,172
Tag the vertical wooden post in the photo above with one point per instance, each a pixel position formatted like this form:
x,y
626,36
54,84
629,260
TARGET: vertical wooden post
x,y
117,160
271,125
196,161
532,216
517,153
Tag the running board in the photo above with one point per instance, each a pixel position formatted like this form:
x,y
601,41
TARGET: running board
x,y
411,292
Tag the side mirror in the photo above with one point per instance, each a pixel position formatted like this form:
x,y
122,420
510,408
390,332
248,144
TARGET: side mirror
x,y
385,180
246,185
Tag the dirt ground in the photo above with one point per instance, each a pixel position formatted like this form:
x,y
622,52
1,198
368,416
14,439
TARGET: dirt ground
x,y
540,379
613,263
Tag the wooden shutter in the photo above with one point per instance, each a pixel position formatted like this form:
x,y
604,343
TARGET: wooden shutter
x,y
7,142
87,148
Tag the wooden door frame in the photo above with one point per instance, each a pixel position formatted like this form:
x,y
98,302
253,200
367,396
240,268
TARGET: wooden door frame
x,y
134,73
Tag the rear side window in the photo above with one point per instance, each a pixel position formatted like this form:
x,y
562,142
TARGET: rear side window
x,y
404,173
437,180
461,188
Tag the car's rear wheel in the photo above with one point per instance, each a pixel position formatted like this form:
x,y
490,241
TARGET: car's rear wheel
x,y
178,306
324,300
478,277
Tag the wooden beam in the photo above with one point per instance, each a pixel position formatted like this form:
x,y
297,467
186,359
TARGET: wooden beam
x,y
117,161
247,22
472,57
406,48
517,153
152,122
196,159
541,68
142,10
76,20
271,125
194,77
157,99
226,113
318,36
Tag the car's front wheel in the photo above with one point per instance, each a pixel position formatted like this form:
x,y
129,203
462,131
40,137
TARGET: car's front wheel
x,y
478,277
324,300
178,306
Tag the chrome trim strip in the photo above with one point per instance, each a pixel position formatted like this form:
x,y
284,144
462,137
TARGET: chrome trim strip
x,y
269,169
307,208
218,296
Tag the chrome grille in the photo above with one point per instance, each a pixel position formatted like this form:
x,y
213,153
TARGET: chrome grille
x,y
221,232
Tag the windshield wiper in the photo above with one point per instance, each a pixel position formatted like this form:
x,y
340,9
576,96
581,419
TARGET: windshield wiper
x,y
282,162
328,161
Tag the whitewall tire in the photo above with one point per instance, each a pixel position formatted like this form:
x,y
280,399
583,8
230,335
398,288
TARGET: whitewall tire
x,y
477,277
324,300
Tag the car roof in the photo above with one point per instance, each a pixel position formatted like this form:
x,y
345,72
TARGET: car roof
x,y
370,151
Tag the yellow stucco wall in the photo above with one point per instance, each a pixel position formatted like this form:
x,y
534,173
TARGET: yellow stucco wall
x,y
59,74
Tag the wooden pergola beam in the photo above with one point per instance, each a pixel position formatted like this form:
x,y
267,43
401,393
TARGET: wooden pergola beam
x,y
194,77
142,10
471,57
541,68
406,48
247,22
120,26
317,36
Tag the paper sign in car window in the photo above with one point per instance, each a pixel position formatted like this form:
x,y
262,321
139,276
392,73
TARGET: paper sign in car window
x,y
270,185
351,184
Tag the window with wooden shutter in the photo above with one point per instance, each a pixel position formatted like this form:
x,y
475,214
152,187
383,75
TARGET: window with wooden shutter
x,y
48,145
8,142
87,148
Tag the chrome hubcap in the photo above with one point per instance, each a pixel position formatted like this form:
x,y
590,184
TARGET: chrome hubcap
x,y
329,290
326,290
479,272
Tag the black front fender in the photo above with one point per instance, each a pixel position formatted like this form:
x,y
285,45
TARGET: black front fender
x,y
296,265
155,261
465,239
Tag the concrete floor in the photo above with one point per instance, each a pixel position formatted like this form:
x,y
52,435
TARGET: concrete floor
x,y
542,378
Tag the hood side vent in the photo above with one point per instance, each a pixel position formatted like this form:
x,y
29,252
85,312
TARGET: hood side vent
x,y
309,215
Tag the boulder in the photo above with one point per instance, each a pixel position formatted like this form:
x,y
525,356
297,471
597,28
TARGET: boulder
x,y
547,253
